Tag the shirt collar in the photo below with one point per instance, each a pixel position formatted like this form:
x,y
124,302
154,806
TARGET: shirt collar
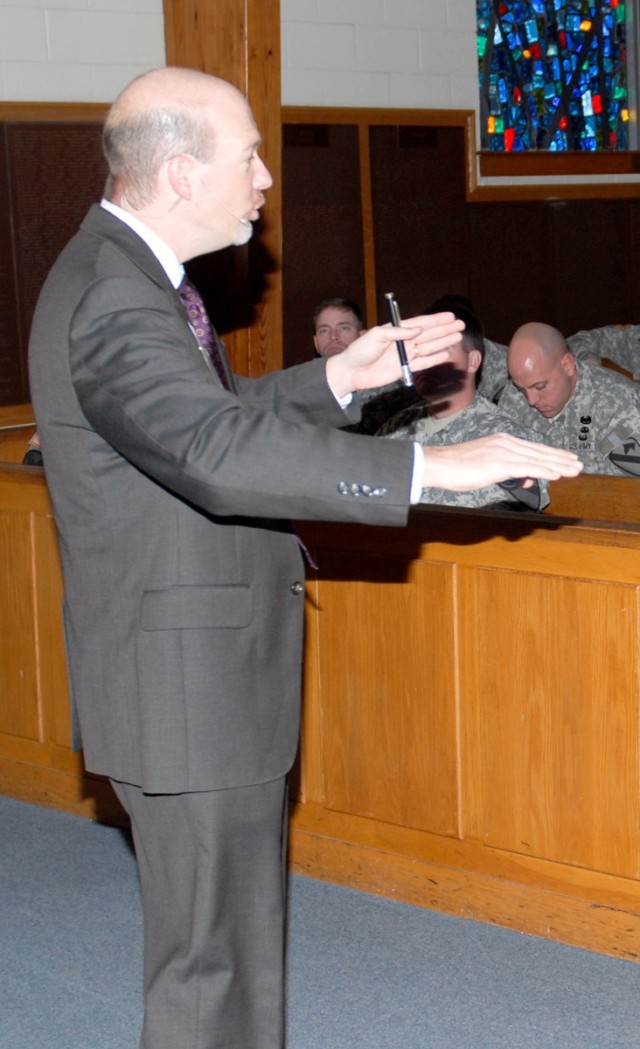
x,y
164,254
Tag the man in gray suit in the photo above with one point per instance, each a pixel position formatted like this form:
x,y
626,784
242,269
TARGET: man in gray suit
x,y
183,584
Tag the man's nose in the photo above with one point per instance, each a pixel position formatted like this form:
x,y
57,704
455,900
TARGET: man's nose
x,y
263,179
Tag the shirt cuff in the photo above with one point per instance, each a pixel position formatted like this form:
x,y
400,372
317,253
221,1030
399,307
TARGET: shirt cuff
x,y
418,474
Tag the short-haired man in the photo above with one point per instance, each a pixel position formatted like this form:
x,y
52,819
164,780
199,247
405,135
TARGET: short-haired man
x,y
336,324
592,410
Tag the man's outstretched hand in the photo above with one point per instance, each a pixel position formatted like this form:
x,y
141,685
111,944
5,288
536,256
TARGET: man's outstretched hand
x,y
488,460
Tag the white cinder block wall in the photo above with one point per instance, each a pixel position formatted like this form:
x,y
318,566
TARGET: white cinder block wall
x,y
415,53
76,50
389,53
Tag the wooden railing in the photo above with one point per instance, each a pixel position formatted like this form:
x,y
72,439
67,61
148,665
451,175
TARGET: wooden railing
x,y
470,715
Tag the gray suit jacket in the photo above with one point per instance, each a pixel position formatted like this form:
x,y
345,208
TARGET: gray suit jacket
x,y
183,632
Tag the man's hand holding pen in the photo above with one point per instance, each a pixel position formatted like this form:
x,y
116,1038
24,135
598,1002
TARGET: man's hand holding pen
x,y
372,360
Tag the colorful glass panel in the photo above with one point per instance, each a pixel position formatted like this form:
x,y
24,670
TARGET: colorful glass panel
x,y
553,75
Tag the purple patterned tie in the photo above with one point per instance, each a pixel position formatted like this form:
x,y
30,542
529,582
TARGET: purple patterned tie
x,y
199,320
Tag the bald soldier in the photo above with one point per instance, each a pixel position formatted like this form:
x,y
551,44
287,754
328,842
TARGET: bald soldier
x,y
594,411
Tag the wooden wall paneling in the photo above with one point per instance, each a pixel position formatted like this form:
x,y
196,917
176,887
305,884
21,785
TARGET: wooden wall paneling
x,y
633,281
547,761
323,253
510,266
368,231
590,261
52,669
13,377
57,171
419,214
573,498
550,680
388,702
483,671
54,171
36,763
20,711
242,287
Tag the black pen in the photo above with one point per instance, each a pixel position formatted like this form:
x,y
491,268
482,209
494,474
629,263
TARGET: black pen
x,y
407,375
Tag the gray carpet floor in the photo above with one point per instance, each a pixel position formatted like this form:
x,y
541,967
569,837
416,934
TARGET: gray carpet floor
x,y
364,972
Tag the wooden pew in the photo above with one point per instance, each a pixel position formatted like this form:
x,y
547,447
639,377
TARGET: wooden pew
x,y
470,714
470,735
36,762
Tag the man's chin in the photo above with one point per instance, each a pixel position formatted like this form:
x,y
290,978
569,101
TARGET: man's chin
x,y
244,234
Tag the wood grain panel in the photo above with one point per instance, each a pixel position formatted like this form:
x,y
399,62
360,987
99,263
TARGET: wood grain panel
x,y
470,737
322,228
591,249
511,275
52,666
320,848
243,287
20,713
388,701
13,385
419,214
549,673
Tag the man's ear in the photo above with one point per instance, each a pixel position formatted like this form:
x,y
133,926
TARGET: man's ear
x,y
569,364
180,171
475,360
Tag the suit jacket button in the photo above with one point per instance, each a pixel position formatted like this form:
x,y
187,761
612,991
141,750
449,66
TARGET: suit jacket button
x,y
297,588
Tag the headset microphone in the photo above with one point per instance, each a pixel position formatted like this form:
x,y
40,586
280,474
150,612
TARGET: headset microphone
x,y
238,218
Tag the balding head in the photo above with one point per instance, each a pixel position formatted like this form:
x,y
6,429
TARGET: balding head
x,y
162,114
542,367
182,148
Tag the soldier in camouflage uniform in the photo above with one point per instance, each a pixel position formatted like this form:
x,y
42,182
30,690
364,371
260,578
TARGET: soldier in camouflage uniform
x,y
451,411
592,411
617,343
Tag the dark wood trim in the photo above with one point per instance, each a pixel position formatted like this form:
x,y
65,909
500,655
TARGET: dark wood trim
x,y
53,112
364,118
555,191
543,163
497,165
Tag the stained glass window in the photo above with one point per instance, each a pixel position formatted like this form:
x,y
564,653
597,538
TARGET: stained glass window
x,y
555,75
